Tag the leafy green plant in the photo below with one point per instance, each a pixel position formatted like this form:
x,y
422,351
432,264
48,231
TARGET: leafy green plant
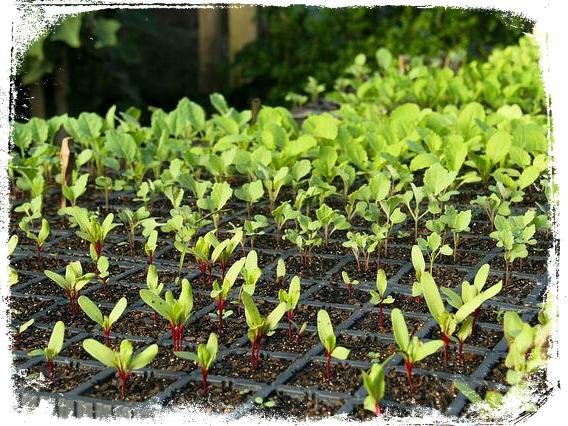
x,y
12,274
328,341
73,282
132,220
378,297
104,321
204,358
102,270
393,215
122,360
493,400
273,182
153,284
413,201
360,243
306,238
224,250
330,221
250,272
253,227
457,223
39,239
202,251
282,214
264,403
221,292
280,271
374,384
54,346
150,245
410,347
250,193
291,298
258,326
349,283
78,188
433,245
176,312
492,205
216,200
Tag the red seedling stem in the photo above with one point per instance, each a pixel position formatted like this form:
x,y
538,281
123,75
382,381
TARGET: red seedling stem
x,y
328,365
255,352
98,248
122,380
38,254
204,385
106,333
475,315
378,410
151,258
381,319
223,266
290,316
220,308
177,336
50,369
72,296
446,340
408,365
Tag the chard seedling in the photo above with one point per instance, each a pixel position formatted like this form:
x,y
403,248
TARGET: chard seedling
x,y
253,227
433,245
330,221
250,193
419,268
291,298
132,220
104,321
122,360
360,243
12,274
410,347
53,348
250,272
492,401
103,270
153,284
280,271
176,312
221,292
374,384
204,358
73,192
150,246
378,297
91,230
258,326
349,283
216,200
224,251
39,239
328,341
202,251
72,283
282,214
447,321
21,330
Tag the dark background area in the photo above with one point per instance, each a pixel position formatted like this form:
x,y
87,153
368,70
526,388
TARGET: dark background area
x,y
155,59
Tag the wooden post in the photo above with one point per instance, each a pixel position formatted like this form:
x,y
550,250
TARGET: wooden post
x,y
210,46
242,28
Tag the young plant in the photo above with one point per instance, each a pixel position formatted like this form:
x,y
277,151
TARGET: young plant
x,y
253,227
273,182
73,281
250,272
132,220
281,215
91,230
492,205
151,245
39,239
176,312
457,223
349,283
52,349
102,270
204,358
413,202
122,360
280,272
221,292
330,221
104,321
291,298
202,251
12,274
153,285
258,326
328,341
73,192
361,243
250,193
216,200
410,347
224,251
21,330
374,384
433,245
447,321
393,215
378,297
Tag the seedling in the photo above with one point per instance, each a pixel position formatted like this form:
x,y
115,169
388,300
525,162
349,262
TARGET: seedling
x,y
330,221
12,274
306,238
258,326
264,403
104,321
39,239
150,246
291,298
393,215
282,214
457,223
21,330
221,292
202,251
374,384
250,193
73,192
448,322
214,203
361,243
72,283
419,268
153,285
176,312
273,183
493,206
132,220
102,270
225,249
253,227
413,201
349,283
328,340
493,400
52,349
122,360
250,272
280,272
410,347
204,358
378,297
434,246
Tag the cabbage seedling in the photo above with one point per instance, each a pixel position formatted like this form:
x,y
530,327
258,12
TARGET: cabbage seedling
x,y
393,215
73,192
330,221
328,341
104,321
349,283
282,214
258,326
434,246
176,312
39,239
250,193
72,283
410,347
361,243
291,298
220,194
122,360
221,292
253,227
53,348
204,358
273,183
374,384
132,220
378,297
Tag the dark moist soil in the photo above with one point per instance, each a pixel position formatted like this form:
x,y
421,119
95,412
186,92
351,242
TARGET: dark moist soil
x,y
141,323
360,414
270,287
396,252
473,243
498,373
466,364
409,303
114,292
344,378
316,269
361,347
444,277
280,342
369,275
298,408
481,337
515,291
462,258
138,388
167,360
33,338
63,313
65,379
45,287
21,309
268,241
529,266
429,391
338,294
480,227
333,248
234,327
29,264
164,276
76,350
370,322
306,313
221,398
240,366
